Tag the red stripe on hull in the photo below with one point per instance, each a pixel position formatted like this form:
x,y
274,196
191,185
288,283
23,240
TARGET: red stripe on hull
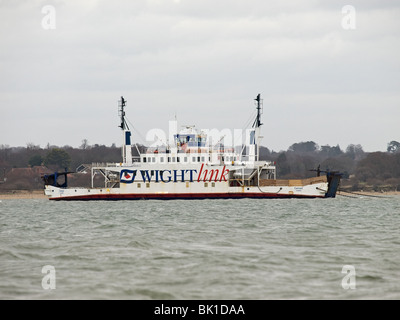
x,y
184,196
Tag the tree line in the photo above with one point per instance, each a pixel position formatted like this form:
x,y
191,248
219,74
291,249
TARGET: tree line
x,y
369,171
361,170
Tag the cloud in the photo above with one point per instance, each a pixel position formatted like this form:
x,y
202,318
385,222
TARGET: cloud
x,y
205,60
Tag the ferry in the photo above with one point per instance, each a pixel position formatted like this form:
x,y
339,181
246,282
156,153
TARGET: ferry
x,y
190,167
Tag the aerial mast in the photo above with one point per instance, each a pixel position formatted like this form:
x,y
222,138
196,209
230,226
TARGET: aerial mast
x,y
257,122
121,113
126,147
256,139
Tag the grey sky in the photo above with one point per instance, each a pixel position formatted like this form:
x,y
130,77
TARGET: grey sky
x,y
204,61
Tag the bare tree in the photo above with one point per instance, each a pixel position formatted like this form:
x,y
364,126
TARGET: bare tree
x,y
85,144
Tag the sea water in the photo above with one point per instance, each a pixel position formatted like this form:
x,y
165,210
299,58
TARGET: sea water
x,y
343,248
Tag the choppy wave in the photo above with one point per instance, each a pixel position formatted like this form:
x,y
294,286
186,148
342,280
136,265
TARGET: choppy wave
x,y
219,249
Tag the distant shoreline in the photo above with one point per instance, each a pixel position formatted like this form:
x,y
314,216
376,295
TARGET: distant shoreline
x,y
22,194
39,194
370,193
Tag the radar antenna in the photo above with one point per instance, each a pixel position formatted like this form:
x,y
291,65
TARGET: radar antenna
x,y
121,113
257,123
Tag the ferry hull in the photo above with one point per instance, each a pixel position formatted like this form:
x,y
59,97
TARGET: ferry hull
x,y
319,190
317,187
184,196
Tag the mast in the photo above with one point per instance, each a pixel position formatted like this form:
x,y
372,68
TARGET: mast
x,y
257,122
121,113
126,146
255,138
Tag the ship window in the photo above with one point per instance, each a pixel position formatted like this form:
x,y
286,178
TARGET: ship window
x,y
162,159
144,159
187,184
213,184
154,159
194,159
169,159
178,159
203,159
185,159
138,185
223,159
147,184
173,159
198,159
206,184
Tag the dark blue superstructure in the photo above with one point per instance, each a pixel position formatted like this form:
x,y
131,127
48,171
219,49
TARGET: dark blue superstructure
x,y
52,179
333,183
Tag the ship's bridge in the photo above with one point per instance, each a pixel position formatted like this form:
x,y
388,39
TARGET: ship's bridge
x,y
189,138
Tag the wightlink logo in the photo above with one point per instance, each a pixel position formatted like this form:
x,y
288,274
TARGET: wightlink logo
x,y
166,176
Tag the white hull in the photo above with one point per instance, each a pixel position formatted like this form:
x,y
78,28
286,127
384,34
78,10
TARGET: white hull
x,y
191,182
